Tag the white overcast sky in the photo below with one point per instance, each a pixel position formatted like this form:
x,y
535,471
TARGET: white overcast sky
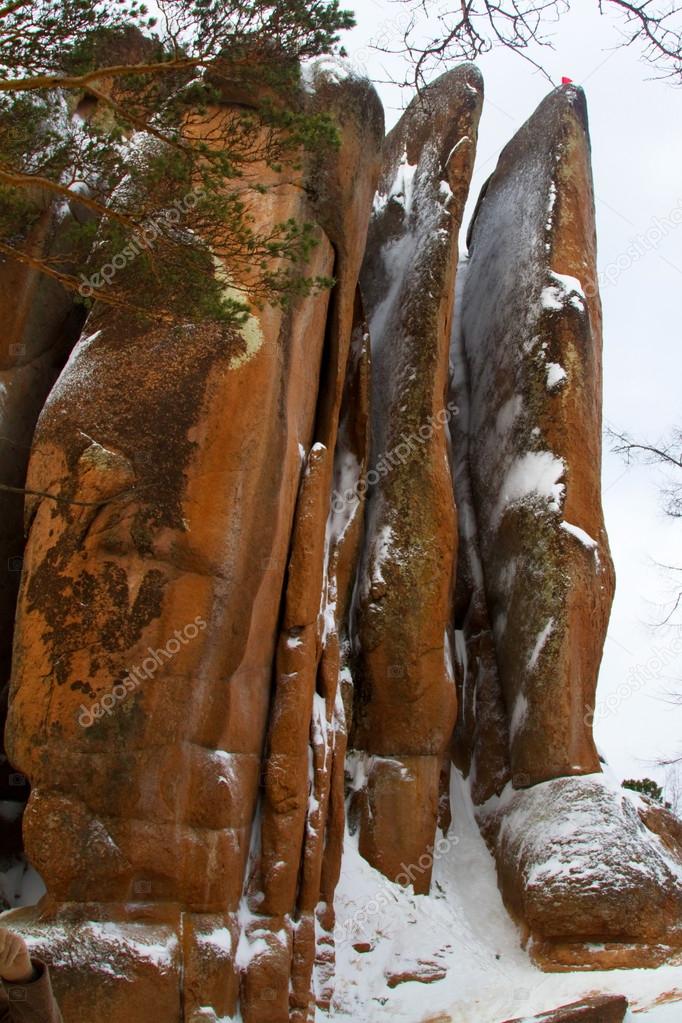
x,y
636,130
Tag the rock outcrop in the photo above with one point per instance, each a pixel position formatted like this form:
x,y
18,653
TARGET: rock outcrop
x,y
539,569
186,460
577,866
531,329
42,320
602,1009
41,323
292,572
405,704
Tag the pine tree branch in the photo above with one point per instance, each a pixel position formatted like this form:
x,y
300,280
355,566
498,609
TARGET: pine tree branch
x,y
37,82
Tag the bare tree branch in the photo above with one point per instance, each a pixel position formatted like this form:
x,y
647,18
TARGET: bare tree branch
x,y
468,29
27,492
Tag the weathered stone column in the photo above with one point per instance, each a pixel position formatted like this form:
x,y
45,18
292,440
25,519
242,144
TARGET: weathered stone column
x,y
405,703
531,327
590,885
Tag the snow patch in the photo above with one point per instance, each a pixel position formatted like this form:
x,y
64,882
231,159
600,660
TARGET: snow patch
x,y
540,643
402,189
160,953
519,715
357,767
20,883
556,375
535,474
382,549
579,534
567,291
550,205
333,69
508,414
219,938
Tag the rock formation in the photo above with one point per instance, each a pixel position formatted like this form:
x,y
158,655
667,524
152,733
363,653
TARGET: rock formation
x,y
405,706
531,331
327,556
602,1009
148,627
42,322
40,328
529,336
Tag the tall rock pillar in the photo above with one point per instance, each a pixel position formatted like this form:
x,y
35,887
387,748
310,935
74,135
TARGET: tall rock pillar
x,y
405,702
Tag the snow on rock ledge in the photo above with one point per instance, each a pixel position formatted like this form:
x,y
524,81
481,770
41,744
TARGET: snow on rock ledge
x,y
576,864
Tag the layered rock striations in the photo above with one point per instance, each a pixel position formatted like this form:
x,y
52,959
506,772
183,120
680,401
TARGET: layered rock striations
x,y
298,569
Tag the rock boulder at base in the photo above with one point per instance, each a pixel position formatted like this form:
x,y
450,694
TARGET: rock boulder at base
x,y
579,869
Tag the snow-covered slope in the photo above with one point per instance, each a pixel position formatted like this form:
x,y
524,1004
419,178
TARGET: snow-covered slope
x,y
462,931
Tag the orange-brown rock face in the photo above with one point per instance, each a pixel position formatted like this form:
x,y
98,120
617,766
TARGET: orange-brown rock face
x,y
574,864
41,323
149,610
531,327
405,702
302,821
258,581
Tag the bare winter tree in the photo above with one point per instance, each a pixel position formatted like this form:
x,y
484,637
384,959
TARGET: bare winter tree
x,y
666,454
673,789
470,28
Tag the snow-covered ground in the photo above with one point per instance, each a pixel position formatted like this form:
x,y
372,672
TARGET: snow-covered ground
x,y
463,930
